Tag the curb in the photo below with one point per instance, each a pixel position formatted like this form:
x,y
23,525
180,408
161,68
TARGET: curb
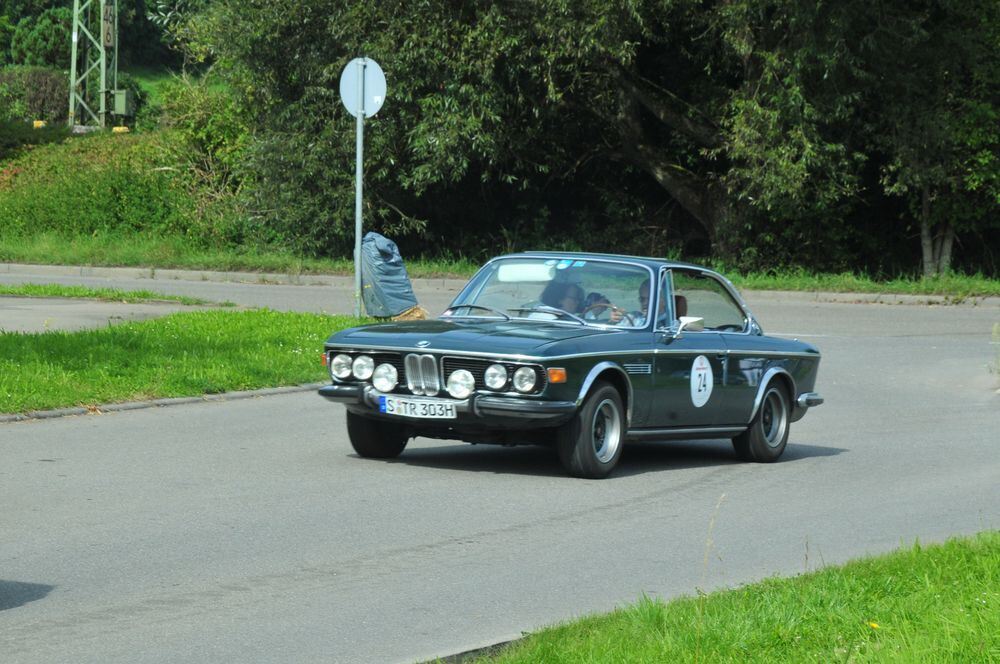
x,y
347,282
153,403
475,653
217,276
872,298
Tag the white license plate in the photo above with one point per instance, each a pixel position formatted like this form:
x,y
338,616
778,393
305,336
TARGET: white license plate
x,y
423,408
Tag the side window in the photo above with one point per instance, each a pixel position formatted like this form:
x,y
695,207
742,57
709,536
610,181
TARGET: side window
x,y
701,295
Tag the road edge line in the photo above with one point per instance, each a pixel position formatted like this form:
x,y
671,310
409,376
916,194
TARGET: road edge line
x,y
154,403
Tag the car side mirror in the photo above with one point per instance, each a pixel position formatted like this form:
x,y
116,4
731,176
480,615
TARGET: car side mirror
x,y
690,323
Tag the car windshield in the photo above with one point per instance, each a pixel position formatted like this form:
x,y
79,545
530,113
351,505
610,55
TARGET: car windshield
x,y
570,290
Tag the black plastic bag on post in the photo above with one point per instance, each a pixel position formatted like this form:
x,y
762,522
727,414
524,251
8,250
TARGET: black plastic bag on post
x,y
385,286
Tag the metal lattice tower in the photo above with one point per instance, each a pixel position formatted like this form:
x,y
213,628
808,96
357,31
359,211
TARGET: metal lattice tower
x,y
93,63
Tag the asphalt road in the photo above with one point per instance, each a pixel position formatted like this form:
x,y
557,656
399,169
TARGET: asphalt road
x,y
248,531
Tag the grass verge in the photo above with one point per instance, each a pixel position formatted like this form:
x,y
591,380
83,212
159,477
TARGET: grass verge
x,y
108,294
157,251
936,603
952,285
176,251
184,354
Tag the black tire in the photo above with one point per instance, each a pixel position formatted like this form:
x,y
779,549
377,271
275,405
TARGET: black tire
x,y
767,436
590,444
375,439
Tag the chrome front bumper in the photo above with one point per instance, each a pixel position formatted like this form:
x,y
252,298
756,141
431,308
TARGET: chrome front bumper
x,y
809,399
479,406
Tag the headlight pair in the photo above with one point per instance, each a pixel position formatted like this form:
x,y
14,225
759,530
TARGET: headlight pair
x,y
461,382
384,376
524,380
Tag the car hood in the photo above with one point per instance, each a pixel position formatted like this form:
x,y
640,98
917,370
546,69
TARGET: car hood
x,y
466,335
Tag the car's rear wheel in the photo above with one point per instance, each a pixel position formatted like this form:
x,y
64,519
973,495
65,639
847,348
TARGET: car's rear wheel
x,y
375,439
767,436
590,444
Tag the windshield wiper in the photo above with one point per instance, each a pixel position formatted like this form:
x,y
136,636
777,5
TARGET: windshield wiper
x,y
478,306
555,311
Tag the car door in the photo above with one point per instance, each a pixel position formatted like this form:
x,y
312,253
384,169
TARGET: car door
x,y
689,371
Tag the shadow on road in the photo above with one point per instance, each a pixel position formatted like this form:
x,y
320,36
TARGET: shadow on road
x,y
637,458
16,593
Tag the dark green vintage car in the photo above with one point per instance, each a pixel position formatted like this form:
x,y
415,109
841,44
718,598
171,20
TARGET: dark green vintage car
x,y
583,352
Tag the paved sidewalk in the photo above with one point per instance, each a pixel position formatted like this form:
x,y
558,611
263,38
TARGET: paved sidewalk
x,y
437,290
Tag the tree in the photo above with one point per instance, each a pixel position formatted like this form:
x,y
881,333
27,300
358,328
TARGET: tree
x,y
744,119
938,123
43,41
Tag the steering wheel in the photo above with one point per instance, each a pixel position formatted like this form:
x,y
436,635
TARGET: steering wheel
x,y
611,307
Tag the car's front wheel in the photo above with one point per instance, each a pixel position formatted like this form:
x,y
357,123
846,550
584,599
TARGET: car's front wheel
x,y
375,439
767,436
590,444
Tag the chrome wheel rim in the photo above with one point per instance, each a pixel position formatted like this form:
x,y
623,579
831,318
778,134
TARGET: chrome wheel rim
x,y
774,418
605,430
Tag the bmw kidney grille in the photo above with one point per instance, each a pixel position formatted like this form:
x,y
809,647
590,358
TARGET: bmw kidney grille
x,y
422,374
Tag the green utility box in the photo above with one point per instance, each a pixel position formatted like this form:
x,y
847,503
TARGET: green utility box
x,y
124,103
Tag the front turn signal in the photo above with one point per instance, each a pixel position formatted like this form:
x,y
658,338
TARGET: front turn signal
x,y
557,375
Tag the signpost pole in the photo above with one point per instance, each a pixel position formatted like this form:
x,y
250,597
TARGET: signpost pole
x,y
358,174
370,82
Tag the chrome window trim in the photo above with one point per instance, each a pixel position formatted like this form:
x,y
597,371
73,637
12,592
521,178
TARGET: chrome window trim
x,y
652,276
749,321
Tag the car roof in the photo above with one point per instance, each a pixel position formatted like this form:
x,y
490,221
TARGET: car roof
x,y
653,263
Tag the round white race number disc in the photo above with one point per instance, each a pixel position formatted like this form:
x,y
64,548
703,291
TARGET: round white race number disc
x,y
701,381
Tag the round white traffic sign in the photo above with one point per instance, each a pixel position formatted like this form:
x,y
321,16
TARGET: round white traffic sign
x,y
701,381
362,87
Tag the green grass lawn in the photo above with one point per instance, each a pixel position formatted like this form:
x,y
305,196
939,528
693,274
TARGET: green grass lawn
x,y
150,250
921,604
952,285
152,81
108,294
183,354
146,250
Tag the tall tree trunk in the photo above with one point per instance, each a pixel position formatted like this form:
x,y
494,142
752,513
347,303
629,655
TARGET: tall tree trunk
x,y
948,241
936,248
707,202
926,239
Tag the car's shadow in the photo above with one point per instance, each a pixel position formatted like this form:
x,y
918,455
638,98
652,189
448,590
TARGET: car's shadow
x,y
17,593
637,458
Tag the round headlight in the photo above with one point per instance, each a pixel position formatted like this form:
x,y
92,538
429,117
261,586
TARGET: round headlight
x,y
524,379
461,383
495,376
385,377
363,367
340,366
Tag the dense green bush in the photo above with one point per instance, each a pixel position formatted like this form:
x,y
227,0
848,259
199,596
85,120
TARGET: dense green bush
x,y
94,184
106,184
33,93
43,40
14,135
213,125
